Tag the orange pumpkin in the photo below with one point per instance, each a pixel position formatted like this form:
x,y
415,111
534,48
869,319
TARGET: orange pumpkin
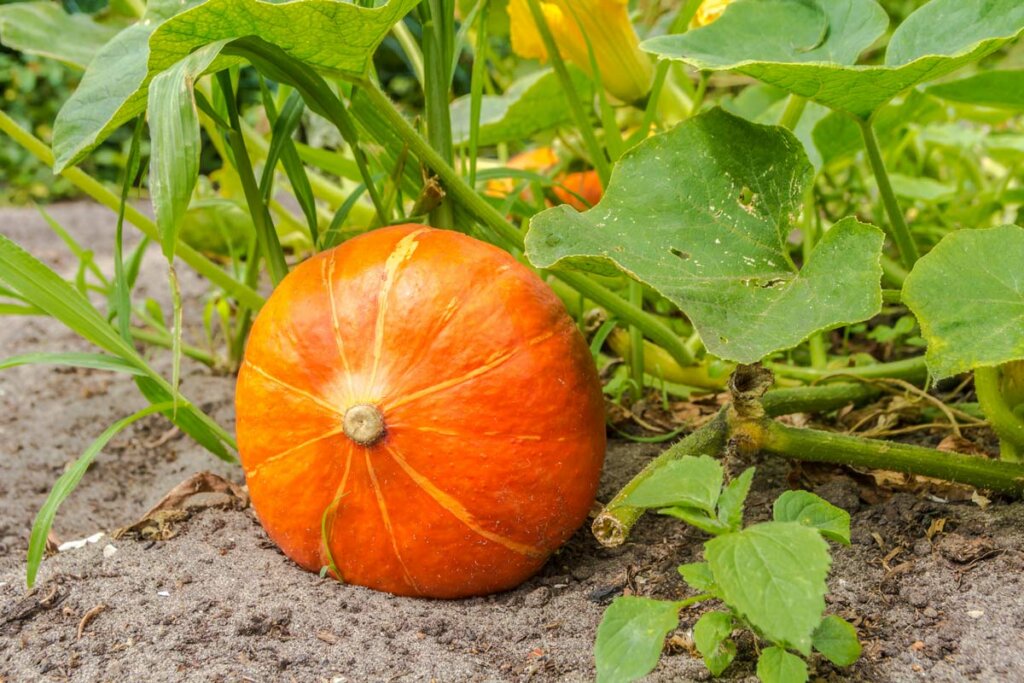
x,y
417,412
579,190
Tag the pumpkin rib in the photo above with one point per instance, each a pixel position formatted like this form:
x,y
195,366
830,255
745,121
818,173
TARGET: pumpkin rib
x,y
255,471
496,361
319,400
327,277
382,504
457,510
401,253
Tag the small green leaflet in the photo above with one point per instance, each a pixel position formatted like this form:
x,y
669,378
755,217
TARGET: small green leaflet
x,y
979,321
532,104
630,637
698,576
775,665
810,510
176,145
1003,89
711,636
702,214
730,504
770,40
688,481
773,575
45,29
837,640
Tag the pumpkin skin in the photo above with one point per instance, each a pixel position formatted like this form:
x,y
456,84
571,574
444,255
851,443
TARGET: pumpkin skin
x,y
493,418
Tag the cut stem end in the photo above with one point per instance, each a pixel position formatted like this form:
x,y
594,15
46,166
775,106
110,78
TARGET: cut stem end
x,y
364,424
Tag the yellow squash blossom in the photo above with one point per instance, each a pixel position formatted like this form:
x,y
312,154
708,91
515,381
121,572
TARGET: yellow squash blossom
x,y
625,71
708,11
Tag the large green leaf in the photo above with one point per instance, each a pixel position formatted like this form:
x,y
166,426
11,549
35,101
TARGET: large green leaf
x,y
532,104
701,213
176,145
45,29
331,35
768,40
630,637
1003,89
775,665
773,575
968,295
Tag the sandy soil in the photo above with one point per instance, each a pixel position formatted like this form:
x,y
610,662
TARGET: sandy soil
x,y
217,602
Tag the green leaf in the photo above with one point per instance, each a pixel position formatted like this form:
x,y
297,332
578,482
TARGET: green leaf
x,y
688,481
698,576
1003,89
631,636
45,29
532,104
773,575
696,518
808,509
702,214
93,361
176,145
968,295
769,40
114,87
775,665
711,636
66,484
837,640
730,504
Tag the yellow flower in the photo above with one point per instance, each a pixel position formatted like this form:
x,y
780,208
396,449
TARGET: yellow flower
x,y
708,11
625,71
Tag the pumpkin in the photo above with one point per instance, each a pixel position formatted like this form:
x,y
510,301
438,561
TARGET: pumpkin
x,y
580,190
417,413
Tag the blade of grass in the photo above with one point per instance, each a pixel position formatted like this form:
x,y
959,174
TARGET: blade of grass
x,y
282,148
81,253
92,361
67,483
476,88
121,303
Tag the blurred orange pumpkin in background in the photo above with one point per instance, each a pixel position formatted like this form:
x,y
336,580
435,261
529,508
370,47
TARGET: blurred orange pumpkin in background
x,y
417,413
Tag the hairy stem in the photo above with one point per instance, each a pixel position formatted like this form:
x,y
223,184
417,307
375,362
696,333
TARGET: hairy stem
x,y
910,369
898,229
819,446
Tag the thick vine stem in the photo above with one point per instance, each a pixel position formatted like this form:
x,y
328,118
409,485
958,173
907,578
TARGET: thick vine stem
x,y
748,384
1005,423
612,526
818,446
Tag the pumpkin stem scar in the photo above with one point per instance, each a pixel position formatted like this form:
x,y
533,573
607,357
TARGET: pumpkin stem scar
x,y
364,424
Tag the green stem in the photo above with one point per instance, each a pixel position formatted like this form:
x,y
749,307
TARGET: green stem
x,y
583,123
438,35
92,187
795,106
412,51
636,341
658,363
465,195
1004,421
612,526
899,230
476,88
817,446
817,399
910,369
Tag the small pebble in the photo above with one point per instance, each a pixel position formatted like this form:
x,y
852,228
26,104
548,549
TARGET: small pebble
x,y
109,550
931,612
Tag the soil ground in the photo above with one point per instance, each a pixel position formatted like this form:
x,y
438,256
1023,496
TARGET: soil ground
x,y
217,602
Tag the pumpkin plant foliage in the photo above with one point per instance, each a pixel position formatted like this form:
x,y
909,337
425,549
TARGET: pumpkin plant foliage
x,y
770,577
705,221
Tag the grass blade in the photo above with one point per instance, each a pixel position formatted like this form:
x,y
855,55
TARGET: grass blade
x,y
93,361
67,483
